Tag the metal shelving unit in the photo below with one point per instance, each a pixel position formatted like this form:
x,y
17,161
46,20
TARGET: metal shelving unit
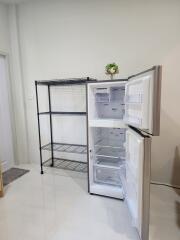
x,y
60,147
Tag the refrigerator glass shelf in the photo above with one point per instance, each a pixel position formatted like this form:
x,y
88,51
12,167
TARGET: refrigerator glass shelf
x,y
107,146
111,143
109,162
110,152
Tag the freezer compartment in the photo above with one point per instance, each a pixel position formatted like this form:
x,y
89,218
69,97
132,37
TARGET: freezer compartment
x,y
106,100
111,103
105,175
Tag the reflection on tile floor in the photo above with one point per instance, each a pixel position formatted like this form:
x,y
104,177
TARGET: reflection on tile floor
x,y
56,206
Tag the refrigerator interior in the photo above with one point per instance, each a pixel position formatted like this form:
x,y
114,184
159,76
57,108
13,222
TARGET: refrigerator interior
x,y
108,155
107,101
116,167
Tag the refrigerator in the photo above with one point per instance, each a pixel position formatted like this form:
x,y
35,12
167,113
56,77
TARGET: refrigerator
x,y
123,115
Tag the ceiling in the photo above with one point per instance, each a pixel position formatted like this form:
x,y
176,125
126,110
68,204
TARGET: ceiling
x,y
14,1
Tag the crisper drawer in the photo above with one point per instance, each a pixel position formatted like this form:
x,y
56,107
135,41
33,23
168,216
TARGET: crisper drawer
x,y
107,175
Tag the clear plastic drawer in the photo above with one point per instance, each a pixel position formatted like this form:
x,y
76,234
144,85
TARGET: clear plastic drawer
x,y
107,175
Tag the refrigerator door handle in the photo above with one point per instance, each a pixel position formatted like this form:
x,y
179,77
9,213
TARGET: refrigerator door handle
x,y
157,100
90,154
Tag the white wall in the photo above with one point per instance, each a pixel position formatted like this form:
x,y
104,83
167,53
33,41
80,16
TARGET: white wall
x,y
4,29
78,38
6,133
17,90
6,136
9,46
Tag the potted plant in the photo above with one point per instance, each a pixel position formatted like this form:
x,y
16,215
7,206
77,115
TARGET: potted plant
x,y
111,69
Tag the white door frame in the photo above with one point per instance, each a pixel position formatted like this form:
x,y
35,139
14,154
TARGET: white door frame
x,y
5,165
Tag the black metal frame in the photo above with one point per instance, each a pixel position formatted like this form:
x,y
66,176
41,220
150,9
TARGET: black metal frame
x,y
73,81
61,82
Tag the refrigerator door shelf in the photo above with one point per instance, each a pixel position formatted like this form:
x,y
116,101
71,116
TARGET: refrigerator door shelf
x,y
134,151
138,114
142,101
134,99
132,120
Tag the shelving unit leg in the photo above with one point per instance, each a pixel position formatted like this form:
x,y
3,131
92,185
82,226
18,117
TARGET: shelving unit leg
x,y
39,130
50,121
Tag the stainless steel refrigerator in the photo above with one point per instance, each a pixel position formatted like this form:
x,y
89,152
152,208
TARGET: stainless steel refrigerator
x,y
122,118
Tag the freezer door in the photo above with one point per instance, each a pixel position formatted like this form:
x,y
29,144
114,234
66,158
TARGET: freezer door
x,y
137,180
142,100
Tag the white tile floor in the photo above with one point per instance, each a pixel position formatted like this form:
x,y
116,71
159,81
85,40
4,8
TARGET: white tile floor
x,y
165,213
56,206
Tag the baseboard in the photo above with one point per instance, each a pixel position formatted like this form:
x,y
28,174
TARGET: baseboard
x,y
165,184
1,184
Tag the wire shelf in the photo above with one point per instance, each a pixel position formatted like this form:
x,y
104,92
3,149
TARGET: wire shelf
x,y
67,165
62,113
66,147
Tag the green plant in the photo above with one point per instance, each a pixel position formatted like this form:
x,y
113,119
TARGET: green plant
x,y
112,68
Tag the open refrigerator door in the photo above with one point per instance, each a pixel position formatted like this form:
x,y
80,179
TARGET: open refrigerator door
x,y
135,176
142,101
